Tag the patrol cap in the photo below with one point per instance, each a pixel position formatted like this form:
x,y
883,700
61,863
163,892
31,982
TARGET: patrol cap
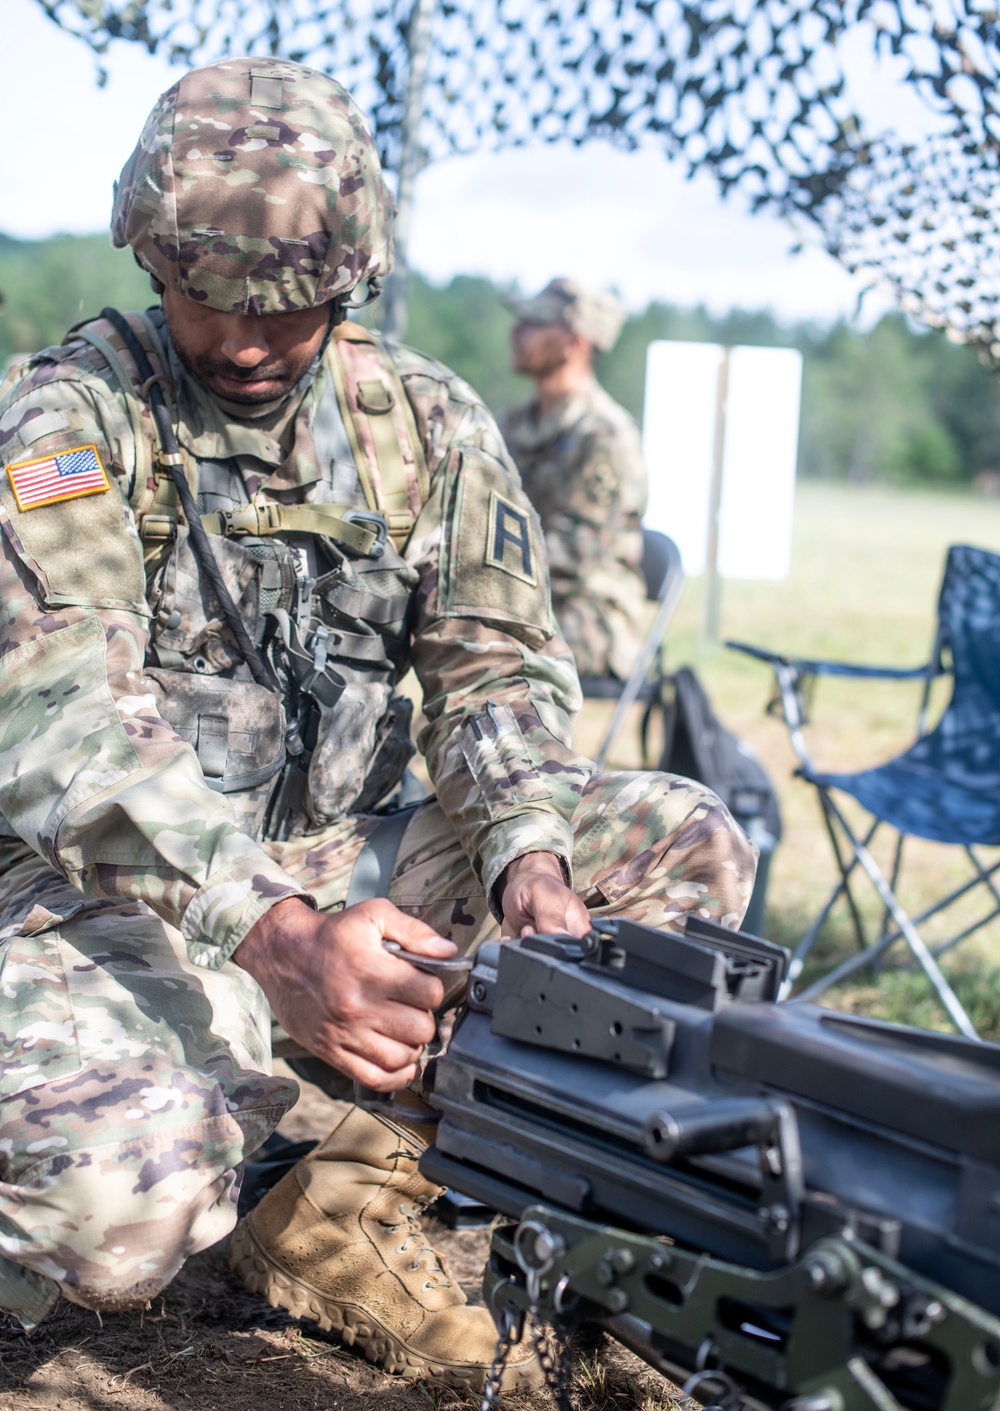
x,y
594,314
256,187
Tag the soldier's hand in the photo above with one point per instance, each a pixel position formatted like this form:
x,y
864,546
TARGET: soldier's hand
x,y
336,991
535,898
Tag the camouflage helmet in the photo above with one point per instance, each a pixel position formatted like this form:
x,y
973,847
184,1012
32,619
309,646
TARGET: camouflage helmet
x,y
256,188
595,314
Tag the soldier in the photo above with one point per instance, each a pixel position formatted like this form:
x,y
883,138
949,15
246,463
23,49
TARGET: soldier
x,y
230,524
581,466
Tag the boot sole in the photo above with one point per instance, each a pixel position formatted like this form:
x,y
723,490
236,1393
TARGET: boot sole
x,y
357,1327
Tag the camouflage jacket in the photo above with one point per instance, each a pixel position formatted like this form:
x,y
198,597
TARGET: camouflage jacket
x,y
98,655
581,466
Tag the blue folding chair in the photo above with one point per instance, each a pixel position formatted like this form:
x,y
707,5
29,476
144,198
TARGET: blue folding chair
x,y
945,787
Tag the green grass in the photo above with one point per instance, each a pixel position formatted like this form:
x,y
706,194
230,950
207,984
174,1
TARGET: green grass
x,y
866,568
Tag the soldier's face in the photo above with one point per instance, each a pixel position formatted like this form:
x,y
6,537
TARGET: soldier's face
x,y
539,348
245,358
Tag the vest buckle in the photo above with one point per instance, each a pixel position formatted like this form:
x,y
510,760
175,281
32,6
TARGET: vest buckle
x,y
370,520
257,518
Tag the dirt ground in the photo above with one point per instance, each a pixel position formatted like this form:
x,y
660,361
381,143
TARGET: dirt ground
x,y
207,1345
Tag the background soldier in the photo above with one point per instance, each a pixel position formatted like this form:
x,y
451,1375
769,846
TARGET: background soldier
x,y
198,717
580,460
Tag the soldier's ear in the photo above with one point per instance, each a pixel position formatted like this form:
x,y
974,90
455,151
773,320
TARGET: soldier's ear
x,y
582,348
156,283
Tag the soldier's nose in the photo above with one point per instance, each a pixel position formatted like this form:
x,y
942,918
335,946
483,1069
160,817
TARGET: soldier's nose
x,y
244,343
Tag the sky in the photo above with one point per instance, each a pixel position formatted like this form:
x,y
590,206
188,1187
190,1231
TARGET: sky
x,y
630,221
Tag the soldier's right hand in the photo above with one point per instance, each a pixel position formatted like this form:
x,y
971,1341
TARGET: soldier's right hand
x,y
335,989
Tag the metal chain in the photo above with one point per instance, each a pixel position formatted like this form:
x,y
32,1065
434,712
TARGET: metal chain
x,y
553,1357
505,1341
555,1362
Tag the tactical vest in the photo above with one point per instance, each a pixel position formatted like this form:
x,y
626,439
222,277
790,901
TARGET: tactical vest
x,y
319,583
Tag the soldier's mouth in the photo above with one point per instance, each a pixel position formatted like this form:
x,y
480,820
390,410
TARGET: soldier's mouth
x,y
250,388
250,385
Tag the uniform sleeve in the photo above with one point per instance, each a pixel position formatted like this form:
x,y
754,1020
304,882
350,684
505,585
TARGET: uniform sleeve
x,y
500,688
602,499
94,780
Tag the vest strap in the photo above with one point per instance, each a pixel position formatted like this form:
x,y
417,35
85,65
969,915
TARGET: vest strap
x,y
153,494
262,517
143,454
381,428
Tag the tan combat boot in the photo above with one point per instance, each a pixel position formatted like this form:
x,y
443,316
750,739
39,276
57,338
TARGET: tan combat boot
x,y
338,1240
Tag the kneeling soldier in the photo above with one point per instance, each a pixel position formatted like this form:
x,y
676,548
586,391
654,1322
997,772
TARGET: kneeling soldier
x,y
229,527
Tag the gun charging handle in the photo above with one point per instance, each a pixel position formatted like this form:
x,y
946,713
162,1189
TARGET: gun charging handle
x,y
384,1104
768,1124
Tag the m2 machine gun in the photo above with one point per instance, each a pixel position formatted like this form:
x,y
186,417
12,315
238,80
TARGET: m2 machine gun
x,y
776,1205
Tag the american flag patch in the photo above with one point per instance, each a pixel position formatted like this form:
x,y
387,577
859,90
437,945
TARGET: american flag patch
x,y
64,476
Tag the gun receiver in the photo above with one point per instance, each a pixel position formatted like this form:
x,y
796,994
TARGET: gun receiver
x,y
776,1205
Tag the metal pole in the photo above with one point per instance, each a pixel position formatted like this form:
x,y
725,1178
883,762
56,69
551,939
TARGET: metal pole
x,y
418,43
713,588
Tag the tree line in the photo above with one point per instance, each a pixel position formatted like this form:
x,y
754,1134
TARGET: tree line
x,y
892,403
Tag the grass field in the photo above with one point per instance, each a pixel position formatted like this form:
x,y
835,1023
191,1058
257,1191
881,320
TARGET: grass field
x,y
866,567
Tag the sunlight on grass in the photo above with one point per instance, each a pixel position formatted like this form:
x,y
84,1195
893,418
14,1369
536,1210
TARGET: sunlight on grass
x,y
866,569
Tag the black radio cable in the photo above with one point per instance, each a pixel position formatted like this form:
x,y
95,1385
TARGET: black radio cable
x,y
170,456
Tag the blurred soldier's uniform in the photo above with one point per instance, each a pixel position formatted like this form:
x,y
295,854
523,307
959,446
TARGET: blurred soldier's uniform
x,y
581,466
156,800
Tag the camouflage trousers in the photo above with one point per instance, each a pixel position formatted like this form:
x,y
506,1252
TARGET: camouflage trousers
x,y
133,1084
604,640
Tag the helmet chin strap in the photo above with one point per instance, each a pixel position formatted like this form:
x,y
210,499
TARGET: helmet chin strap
x,y
337,315
374,286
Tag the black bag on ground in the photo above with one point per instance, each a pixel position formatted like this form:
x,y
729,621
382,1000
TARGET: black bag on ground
x,y
697,745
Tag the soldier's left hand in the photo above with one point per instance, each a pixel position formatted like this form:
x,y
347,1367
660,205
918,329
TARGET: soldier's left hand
x,y
535,898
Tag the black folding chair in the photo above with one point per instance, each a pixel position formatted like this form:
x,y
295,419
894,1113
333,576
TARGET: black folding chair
x,y
664,575
945,787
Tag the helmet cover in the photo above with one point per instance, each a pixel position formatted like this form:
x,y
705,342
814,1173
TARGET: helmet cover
x,y
595,314
256,187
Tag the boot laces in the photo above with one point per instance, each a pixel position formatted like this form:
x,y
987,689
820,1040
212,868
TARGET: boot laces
x,y
423,1255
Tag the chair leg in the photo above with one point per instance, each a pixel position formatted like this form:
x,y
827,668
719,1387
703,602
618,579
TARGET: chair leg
x,y
897,863
983,877
985,874
953,941
886,939
635,682
843,888
909,932
846,867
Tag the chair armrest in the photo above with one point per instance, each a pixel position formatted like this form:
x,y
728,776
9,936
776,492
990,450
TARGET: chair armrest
x,y
805,667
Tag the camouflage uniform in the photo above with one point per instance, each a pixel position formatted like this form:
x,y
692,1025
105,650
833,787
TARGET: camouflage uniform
x,y
135,1071
581,466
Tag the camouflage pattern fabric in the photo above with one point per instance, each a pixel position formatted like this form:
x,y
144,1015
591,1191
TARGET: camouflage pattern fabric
x,y
256,186
134,1053
582,468
594,314
105,789
134,1083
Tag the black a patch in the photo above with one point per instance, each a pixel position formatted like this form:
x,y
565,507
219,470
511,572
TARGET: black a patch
x,y
508,540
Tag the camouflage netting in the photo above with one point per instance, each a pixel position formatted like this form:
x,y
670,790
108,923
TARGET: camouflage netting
x,y
755,91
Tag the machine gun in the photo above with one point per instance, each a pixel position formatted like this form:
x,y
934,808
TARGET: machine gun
x,y
776,1205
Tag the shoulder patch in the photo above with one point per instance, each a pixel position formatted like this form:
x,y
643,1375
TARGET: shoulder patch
x,y
489,525
65,475
508,540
